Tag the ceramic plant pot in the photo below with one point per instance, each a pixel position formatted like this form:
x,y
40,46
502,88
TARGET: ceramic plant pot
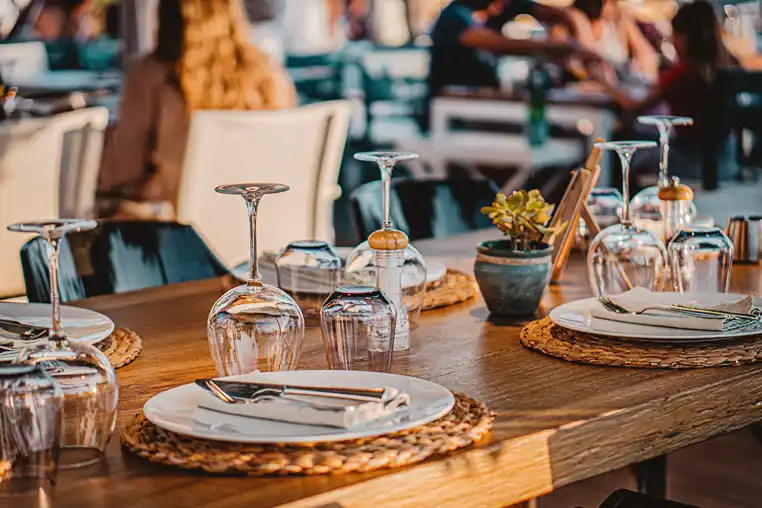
x,y
512,282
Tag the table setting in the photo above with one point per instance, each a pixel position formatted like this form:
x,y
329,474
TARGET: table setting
x,y
367,306
313,365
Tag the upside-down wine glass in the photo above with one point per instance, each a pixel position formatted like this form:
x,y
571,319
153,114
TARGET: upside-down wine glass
x,y
361,264
254,326
646,205
624,256
83,372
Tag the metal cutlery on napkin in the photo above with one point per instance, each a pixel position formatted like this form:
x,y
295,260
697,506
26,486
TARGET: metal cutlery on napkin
x,y
240,391
24,331
734,320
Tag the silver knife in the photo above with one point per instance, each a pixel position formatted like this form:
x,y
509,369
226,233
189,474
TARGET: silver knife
x,y
251,390
25,332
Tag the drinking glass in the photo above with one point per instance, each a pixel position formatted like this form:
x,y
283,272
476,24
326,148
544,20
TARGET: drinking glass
x,y
646,205
30,429
254,326
308,271
624,256
701,260
605,205
358,324
86,377
360,268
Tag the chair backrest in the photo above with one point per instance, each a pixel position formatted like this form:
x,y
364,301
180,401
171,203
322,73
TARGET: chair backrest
x,y
739,100
119,256
299,147
425,208
21,60
83,135
30,156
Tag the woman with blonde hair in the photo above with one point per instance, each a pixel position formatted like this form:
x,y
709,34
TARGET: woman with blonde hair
x,y
203,60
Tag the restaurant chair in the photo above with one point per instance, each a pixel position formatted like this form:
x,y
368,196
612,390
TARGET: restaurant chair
x,y
432,208
300,147
48,168
82,147
739,111
393,84
20,60
628,499
119,256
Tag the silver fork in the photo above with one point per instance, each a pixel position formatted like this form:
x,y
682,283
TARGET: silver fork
x,y
259,396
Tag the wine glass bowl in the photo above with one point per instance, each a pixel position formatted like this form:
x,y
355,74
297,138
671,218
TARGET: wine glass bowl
x,y
254,326
623,256
84,373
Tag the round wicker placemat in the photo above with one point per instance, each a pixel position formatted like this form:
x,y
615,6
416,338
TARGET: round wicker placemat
x,y
545,336
468,422
454,287
122,347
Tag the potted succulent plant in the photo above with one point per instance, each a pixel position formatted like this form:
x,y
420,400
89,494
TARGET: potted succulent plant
x,y
513,272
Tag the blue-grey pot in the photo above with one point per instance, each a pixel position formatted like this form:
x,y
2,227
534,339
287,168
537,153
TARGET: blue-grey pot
x,y
512,282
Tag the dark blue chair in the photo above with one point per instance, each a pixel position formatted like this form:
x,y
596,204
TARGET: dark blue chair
x,y
425,208
119,256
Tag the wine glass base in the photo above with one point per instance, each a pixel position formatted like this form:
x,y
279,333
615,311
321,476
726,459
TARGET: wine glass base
x,y
78,456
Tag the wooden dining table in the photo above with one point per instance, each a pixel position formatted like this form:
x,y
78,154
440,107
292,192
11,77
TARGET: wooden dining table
x,y
556,422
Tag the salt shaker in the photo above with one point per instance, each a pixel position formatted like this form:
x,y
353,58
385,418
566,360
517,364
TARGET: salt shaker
x,y
676,202
389,246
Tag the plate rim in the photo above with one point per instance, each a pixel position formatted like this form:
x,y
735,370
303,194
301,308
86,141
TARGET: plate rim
x,y
348,435
64,308
709,336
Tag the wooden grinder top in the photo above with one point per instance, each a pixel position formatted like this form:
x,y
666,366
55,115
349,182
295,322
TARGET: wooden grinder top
x,y
388,239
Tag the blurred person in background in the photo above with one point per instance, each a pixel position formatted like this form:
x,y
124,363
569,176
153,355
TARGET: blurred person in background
x,y
267,33
604,27
203,60
312,28
467,38
55,23
687,89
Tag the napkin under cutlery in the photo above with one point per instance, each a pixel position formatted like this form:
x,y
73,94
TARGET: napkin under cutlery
x,y
640,298
319,411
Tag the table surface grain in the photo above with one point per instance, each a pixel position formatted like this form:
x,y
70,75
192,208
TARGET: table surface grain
x,y
557,422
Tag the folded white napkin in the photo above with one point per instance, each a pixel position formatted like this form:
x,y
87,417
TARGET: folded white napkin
x,y
320,411
640,298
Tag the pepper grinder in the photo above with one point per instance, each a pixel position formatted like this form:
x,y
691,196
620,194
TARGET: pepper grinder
x,y
676,201
389,246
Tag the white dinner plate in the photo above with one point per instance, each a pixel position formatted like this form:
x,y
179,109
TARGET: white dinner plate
x,y
576,316
79,324
174,409
435,270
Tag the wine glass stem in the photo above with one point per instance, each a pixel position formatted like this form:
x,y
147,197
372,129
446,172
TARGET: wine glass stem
x,y
664,160
625,157
54,247
252,202
386,179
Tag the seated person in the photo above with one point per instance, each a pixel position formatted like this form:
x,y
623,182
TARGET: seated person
x,y
602,26
190,70
687,88
464,49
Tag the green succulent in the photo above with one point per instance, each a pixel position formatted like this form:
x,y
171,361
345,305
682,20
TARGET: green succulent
x,y
522,216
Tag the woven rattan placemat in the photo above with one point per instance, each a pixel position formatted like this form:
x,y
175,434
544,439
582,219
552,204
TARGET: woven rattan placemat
x,y
122,347
545,336
467,423
454,287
